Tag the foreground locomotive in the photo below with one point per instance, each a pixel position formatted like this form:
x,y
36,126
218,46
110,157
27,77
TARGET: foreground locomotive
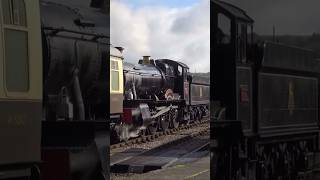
x,y
55,119
74,126
158,95
264,122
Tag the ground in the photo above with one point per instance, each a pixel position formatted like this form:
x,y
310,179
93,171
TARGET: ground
x,y
198,170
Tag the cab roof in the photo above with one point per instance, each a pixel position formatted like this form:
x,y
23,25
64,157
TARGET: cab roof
x,y
115,52
172,61
232,11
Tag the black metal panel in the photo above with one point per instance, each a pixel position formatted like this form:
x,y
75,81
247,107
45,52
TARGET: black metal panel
x,y
244,97
287,101
290,58
67,133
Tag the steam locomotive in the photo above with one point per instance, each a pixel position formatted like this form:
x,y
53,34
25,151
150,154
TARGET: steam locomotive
x,y
264,102
158,95
53,91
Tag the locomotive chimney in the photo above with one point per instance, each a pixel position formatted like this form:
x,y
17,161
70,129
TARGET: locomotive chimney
x,y
146,59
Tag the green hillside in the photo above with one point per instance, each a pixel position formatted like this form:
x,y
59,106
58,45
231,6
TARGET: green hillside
x,y
201,77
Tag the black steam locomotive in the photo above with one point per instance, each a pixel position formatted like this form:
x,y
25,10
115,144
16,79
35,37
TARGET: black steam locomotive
x,y
158,95
74,127
265,102
54,95
54,122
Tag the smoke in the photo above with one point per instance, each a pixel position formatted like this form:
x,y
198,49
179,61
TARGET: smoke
x,y
181,34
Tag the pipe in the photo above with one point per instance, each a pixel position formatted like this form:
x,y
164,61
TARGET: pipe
x,y
78,95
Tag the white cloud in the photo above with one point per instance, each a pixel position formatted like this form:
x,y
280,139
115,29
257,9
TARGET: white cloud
x,y
181,34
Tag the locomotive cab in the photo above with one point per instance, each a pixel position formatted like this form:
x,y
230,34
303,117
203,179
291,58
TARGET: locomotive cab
x,y
230,41
262,107
179,76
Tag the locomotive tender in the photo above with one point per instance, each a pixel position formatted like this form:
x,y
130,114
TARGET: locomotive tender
x,y
265,102
53,57
158,95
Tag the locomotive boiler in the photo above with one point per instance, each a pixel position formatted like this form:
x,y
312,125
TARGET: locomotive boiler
x,y
74,54
75,48
148,80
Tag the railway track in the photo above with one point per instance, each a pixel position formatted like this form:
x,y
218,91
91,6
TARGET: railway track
x,y
178,152
157,135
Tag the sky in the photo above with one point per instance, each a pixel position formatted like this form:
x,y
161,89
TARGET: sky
x,y
172,29
164,3
295,17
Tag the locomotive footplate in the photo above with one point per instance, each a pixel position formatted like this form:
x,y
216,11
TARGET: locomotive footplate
x,y
134,103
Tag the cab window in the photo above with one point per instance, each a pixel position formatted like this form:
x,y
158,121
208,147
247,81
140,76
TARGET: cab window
x,y
15,45
185,74
115,76
179,70
242,42
224,29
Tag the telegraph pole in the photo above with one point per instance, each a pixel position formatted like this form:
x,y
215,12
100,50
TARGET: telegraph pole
x,y
274,33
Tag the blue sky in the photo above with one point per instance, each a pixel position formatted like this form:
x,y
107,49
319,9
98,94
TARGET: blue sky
x,y
165,3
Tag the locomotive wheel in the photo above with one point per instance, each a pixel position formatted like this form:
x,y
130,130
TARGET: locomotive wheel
x,y
35,173
152,128
174,118
198,115
124,132
187,117
214,160
114,138
114,135
192,116
165,122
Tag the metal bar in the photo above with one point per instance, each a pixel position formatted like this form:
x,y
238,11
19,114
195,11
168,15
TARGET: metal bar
x,y
57,30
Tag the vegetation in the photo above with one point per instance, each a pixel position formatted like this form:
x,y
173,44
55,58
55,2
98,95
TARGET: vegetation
x,y
201,77
305,41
